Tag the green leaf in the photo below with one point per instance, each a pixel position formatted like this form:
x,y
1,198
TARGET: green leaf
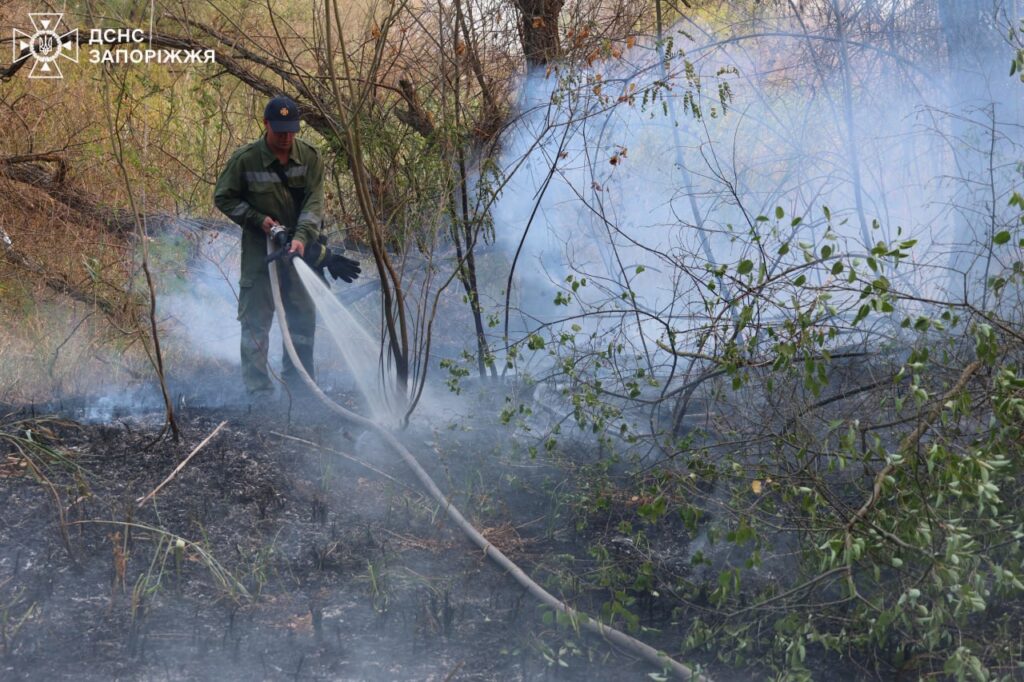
x,y
779,213
1001,237
745,267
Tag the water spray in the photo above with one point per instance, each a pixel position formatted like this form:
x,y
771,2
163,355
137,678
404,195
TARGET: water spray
x,y
630,644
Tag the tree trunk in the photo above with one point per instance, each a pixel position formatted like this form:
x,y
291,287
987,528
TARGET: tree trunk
x,y
539,31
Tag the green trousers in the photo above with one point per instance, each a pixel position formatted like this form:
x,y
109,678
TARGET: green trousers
x,y
256,313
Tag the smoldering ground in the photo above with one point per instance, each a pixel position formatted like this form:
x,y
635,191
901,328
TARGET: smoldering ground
x,y
659,203
292,564
627,206
270,555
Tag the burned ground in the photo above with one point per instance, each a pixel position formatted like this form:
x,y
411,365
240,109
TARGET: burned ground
x,y
269,557
293,546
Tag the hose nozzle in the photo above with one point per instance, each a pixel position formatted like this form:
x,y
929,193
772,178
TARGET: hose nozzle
x,y
279,238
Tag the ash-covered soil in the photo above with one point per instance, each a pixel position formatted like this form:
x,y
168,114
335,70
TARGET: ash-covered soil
x,y
270,557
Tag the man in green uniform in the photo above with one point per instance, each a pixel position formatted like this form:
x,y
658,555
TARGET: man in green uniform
x,y
276,180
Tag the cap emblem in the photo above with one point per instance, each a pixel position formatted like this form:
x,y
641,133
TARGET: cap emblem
x,y
284,111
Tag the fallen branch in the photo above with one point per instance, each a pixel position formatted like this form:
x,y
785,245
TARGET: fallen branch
x,y
29,170
143,500
57,158
910,441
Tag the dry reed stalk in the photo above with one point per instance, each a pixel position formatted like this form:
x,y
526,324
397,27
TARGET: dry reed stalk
x,y
146,498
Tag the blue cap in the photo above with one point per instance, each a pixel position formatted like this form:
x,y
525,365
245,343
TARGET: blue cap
x,y
283,115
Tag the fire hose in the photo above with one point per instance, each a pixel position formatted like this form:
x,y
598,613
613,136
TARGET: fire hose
x,y
657,658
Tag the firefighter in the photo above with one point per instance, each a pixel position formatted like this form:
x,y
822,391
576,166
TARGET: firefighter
x,y
275,181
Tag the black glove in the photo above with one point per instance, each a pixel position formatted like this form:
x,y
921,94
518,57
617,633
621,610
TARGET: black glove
x,y
345,269
319,257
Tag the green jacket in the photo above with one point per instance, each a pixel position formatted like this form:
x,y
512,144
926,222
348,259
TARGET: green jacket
x,y
249,189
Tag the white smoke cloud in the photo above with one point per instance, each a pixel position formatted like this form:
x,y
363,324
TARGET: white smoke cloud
x,y
643,192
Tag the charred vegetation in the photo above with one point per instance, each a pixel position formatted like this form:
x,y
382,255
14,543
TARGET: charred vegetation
x,y
705,314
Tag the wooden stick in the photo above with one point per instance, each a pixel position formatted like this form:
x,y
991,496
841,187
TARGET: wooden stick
x,y
143,500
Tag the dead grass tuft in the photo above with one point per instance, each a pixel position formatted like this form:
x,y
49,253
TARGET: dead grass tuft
x,y
505,537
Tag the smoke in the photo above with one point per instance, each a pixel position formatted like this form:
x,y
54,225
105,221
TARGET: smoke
x,y
199,298
643,176
632,181
197,302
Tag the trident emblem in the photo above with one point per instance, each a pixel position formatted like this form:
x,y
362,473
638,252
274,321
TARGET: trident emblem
x,y
45,45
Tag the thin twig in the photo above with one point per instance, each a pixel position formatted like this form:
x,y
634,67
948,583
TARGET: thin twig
x,y
911,441
143,500
788,593
339,453
457,668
